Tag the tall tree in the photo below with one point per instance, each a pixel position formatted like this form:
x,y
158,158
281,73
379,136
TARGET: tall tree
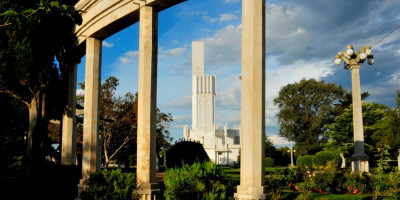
x,y
118,115
340,132
304,108
32,33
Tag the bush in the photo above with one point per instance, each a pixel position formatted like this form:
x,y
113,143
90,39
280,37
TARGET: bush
x,y
360,182
186,152
110,184
269,162
197,181
282,178
305,161
321,159
328,179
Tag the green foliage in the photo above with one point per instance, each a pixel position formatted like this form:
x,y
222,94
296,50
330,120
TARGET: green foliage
x,y
197,181
359,181
281,179
270,149
323,157
340,133
110,184
328,179
282,156
32,34
187,152
304,109
305,161
269,162
119,123
382,155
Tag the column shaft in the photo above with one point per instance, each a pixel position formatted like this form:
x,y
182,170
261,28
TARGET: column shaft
x,y
68,147
359,158
253,101
146,132
91,159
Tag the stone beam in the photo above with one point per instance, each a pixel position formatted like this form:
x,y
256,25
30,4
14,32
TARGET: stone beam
x,y
147,95
91,159
253,102
68,146
103,18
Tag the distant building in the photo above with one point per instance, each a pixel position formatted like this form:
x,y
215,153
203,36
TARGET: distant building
x,y
221,145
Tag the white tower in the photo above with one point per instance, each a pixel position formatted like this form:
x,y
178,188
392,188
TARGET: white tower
x,y
203,92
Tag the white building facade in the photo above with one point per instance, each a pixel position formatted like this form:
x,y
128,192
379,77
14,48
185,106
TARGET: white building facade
x,y
221,145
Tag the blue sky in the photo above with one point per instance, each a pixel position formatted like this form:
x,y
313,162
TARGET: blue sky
x,y
302,38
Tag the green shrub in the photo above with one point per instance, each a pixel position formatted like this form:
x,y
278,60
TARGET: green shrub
x,y
280,179
359,181
328,179
110,184
305,161
394,180
197,181
321,158
387,184
186,152
269,162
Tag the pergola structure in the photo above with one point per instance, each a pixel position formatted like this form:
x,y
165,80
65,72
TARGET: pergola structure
x,y
103,18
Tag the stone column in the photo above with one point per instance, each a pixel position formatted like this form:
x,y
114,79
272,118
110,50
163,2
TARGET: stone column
x,y
68,147
91,159
253,102
359,160
147,94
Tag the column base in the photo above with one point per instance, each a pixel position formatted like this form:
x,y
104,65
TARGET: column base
x,y
251,193
81,187
148,191
360,165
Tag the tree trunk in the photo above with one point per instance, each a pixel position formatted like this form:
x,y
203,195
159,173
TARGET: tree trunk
x,y
37,133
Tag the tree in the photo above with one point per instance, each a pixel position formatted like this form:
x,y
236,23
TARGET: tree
x,y
32,33
118,116
304,109
270,149
340,133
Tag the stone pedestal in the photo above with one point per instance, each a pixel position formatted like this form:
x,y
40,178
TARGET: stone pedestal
x,y
359,158
148,191
253,102
147,95
68,146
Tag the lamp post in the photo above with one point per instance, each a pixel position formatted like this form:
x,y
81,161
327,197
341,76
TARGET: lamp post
x,y
291,156
353,61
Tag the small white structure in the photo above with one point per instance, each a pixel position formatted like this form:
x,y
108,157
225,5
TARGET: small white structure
x,y
221,145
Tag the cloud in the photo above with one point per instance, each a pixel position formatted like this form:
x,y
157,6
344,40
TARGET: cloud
x,y
227,17
229,99
129,57
184,103
108,45
279,141
223,49
80,92
231,1
171,52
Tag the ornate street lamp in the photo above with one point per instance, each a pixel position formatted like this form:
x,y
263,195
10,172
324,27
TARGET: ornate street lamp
x,y
353,61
